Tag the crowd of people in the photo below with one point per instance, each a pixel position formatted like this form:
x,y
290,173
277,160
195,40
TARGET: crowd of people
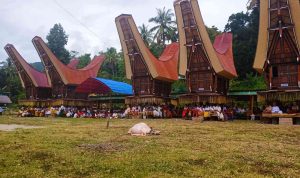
x,y
219,112
69,112
275,108
152,111
206,111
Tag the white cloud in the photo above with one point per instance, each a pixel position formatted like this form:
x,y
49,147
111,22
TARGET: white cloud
x,y
21,20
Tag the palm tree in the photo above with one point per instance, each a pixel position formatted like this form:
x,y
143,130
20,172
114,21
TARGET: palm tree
x,y
111,57
146,34
165,26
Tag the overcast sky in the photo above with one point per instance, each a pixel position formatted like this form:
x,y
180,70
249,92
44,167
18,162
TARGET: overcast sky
x,y
89,23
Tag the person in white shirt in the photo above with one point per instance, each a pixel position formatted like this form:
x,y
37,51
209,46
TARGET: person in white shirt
x,y
159,109
276,109
144,113
69,114
75,115
126,112
155,112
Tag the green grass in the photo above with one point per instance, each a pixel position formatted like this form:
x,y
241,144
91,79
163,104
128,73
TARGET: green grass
x,y
85,148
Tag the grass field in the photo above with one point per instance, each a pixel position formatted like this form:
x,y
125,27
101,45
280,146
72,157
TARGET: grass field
x,y
85,148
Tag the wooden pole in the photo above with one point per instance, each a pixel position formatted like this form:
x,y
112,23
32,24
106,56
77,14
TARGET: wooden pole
x,y
110,109
251,104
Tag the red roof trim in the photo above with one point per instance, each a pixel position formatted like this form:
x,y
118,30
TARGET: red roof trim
x,y
223,48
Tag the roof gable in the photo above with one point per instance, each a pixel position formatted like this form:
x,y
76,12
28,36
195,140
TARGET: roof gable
x,y
39,79
69,76
162,68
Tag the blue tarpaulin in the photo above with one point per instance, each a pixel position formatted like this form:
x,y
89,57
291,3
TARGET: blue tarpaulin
x,y
104,86
117,87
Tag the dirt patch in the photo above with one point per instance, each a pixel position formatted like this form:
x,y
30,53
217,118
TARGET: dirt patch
x,y
13,127
102,147
196,162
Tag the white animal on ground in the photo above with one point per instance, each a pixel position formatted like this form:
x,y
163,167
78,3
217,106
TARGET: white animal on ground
x,y
140,129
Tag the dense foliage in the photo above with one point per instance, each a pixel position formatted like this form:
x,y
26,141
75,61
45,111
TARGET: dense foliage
x,y
114,65
84,60
10,83
213,32
165,26
38,66
57,39
252,82
244,27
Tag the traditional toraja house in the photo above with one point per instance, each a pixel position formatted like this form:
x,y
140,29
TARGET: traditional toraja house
x,y
277,55
62,79
208,68
35,83
151,77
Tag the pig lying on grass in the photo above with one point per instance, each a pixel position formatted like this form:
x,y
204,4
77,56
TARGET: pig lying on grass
x,y
142,129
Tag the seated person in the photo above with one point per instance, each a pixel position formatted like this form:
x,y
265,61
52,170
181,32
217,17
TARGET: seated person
x,y
42,113
295,108
276,109
156,113
206,114
53,111
268,110
48,112
76,115
115,116
230,113
126,112
20,112
185,112
69,114
25,113
144,113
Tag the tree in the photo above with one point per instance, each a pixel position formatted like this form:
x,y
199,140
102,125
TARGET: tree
x,y
156,49
84,60
74,54
244,27
250,82
179,87
10,82
121,74
146,34
57,39
109,68
165,29
38,66
213,32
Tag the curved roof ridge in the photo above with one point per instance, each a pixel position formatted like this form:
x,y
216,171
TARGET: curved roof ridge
x,y
73,63
162,68
223,47
93,62
38,78
223,42
169,52
198,26
68,75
